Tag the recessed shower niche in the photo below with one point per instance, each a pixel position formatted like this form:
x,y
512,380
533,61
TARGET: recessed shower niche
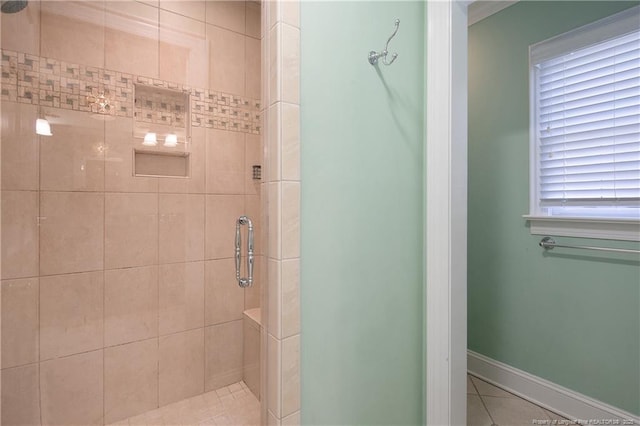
x,y
161,123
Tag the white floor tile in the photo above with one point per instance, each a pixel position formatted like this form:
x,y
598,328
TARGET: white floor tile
x,y
476,413
513,411
219,407
487,389
470,388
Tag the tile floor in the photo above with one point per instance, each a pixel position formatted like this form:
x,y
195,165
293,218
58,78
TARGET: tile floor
x,y
489,405
235,405
232,405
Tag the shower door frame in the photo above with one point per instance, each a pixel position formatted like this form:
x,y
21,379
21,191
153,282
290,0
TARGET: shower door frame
x,y
446,213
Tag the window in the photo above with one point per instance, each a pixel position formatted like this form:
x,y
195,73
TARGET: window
x,y
585,129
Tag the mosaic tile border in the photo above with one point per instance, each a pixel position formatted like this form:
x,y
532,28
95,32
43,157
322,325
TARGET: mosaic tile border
x,y
51,83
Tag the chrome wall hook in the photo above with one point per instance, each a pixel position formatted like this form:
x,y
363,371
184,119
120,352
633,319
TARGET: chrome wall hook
x,y
374,56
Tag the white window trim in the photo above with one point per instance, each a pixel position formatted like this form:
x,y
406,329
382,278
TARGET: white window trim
x,y
583,227
608,229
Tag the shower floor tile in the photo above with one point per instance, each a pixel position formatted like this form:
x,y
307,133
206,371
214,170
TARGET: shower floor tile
x,y
231,405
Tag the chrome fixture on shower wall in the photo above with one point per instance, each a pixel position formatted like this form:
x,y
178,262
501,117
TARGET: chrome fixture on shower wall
x,y
244,282
13,6
374,56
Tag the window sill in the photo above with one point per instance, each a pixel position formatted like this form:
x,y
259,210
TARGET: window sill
x,y
606,229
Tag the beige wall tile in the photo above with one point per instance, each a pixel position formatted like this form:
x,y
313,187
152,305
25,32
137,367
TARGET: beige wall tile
x,y
21,396
222,211
195,183
19,234
292,419
254,212
19,322
274,298
19,145
223,354
290,314
252,67
224,299
275,221
130,305
21,31
274,376
252,294
181,297
284,64
71,315
274,133
253,157
130,379
225,162
290,220
285,12
290,142
275,66
188,8
290,12
73,158
227,14
290,375
183,50
290,58
71,232
131,38
226,60
120,143
154,3
253,19
73,32
71,390
272,420
181,227
131,230
251,356
181,365
273,9
131,12
264,220
0,267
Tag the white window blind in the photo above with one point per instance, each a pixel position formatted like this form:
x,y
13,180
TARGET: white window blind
x,y
587,121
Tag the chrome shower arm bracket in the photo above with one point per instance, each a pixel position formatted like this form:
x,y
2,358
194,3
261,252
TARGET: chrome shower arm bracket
x,y
375,56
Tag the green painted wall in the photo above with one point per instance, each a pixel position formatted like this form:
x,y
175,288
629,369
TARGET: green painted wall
x,y
362,214
572,317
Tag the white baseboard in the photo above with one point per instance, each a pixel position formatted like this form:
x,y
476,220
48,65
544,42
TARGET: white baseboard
x,y
544,393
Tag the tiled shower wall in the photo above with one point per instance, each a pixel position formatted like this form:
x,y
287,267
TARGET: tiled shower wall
x,y
118,292
281,91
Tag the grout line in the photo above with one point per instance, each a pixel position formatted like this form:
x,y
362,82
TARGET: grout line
x,y
158,257
104,290
493,423
38,219
204,264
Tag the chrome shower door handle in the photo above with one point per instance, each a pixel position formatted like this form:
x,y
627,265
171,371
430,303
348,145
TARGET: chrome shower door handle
x,y
244,282
238,250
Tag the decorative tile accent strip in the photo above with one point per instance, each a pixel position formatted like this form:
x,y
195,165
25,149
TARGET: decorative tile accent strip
x,y
57,84
9,76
